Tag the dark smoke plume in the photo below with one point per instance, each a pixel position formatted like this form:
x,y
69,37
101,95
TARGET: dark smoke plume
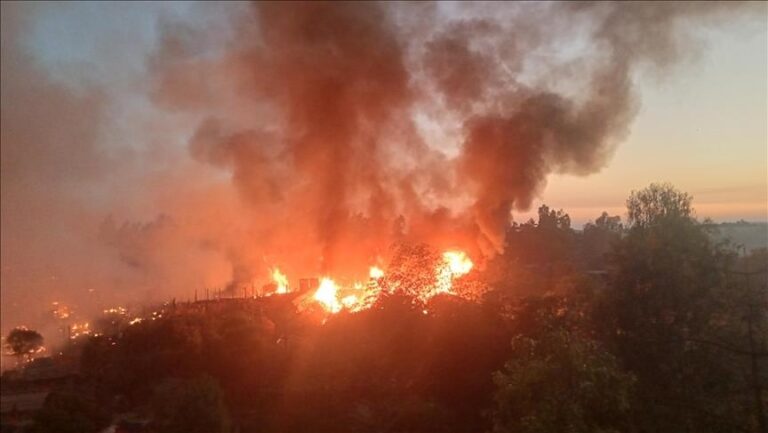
x,y
334,147
316,136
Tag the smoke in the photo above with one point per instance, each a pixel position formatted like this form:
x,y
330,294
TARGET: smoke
x,y
333,148
516,134
48,155
314,136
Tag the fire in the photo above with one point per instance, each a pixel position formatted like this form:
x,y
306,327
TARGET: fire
x,y
458,263
358,296
280,280
455,264
349,301
375,273
122,311
60,311
79,329
326,295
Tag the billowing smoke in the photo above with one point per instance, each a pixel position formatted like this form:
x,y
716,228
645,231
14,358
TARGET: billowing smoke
x,y
317,135
333,147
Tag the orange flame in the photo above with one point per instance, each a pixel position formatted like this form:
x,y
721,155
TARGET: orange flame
x,y
375,273
455,264
326,295
360,296
280,280
349,301
458,263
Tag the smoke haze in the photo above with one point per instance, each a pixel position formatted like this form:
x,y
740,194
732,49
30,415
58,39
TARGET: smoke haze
x,y
310,136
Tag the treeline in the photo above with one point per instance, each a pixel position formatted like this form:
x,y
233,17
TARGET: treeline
x,y
646,325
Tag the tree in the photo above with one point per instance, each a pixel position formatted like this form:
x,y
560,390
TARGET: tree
x,y
656,203
743,313
23,343
598,238
561,382
411,269
667,284
537,255
191,406
65,412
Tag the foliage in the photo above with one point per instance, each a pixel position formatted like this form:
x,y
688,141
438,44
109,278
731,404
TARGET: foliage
x,y
561,382
191,406
537,255
667,284
657,203
23,342
70,412
648,326
597,240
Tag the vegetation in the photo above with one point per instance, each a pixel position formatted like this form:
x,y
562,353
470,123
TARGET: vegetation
x,y
192,406
23,342
70,412
648,326
561,382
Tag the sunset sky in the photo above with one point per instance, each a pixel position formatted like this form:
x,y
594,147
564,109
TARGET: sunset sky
x,y
356,216
143,152
701,127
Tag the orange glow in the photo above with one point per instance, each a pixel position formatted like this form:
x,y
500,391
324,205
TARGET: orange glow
x,y
280,280
79,329
358,296
375,273
60,311
458,263
455,264
326,295
349,301
116,310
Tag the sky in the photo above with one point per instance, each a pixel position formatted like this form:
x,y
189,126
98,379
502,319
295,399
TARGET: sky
x,y
702,128
144,144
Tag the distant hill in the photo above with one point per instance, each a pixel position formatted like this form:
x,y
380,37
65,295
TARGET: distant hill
x,y
751,235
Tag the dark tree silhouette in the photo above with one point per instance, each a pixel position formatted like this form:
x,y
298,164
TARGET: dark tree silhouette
x,y
665,301
193,406
597,239
69,412
656,203
23,343
561,382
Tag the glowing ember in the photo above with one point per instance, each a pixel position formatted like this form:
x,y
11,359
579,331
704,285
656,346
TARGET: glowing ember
x,y
375,273
79,329
60,311
326,295
116,310
458,263
359,296
455,264
280,280
349,301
